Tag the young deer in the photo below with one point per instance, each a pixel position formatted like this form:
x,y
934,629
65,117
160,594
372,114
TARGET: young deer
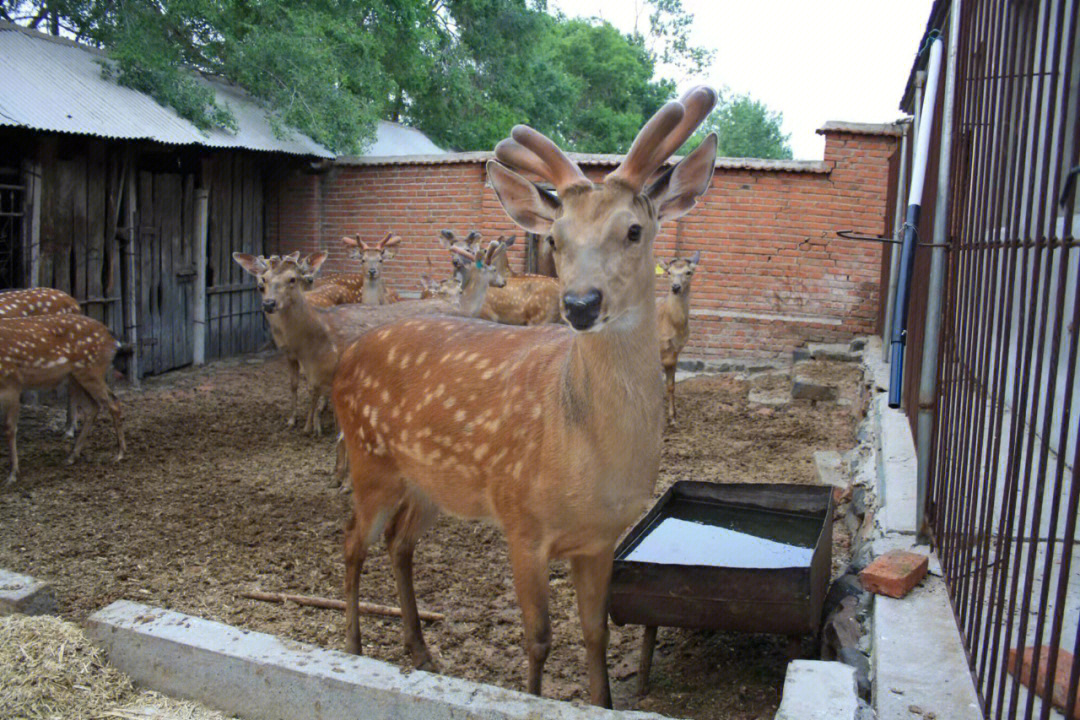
x,y
470,244
31,302
673,320
525,300
552,431
372,258
44,350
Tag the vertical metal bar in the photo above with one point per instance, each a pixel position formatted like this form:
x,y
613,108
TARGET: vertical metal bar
x,y
898,233
935,284
199,321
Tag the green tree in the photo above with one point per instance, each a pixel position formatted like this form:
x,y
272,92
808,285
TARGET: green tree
x,y
745,127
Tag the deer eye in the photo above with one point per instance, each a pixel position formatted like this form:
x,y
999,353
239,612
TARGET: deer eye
x,y
261,285
633,233
292,281
551,241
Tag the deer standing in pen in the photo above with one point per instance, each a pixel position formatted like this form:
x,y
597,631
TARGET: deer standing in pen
x,y
552,431
372,258
44,350
314,337
31,302
525,300
673,320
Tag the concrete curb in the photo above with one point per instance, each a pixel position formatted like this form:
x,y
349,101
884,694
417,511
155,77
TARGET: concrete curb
x,y
819,690
258,676
24,594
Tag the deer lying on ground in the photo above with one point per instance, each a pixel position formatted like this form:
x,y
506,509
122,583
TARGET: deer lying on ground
x,y
673,320
41,352
314,336
31,302
372,258
552,431
526,299
336,289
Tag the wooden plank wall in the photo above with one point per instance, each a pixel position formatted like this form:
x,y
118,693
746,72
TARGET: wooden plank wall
x,y
80,253
234,320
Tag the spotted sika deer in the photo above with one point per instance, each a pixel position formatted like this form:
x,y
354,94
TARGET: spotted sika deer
x,y
41,352
31,302
673,320
552,431
525,300
372,258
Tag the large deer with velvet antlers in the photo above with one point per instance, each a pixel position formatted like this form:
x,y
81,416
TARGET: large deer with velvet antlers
x,y
552,431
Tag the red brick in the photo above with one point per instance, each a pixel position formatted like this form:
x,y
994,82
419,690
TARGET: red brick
x,y
895,573
1061,675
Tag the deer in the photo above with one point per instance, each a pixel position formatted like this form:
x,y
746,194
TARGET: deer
x,y
40,352
673,320
313,337
551,431
372,257
31,302
525,300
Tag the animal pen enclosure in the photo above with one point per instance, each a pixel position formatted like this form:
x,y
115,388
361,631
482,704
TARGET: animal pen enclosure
x,y
128,206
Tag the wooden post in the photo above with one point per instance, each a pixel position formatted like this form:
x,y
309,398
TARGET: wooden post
x,y
202,197
32,222
131,291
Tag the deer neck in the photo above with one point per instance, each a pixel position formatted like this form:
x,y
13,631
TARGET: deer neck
x,y
473,293
305,332
372,292
678,306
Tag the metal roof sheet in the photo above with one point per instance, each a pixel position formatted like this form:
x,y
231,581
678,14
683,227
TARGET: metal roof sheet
x,y
588,159
50,83
396,139
893,128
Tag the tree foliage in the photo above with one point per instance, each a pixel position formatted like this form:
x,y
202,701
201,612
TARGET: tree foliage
x,y
745,127
462,71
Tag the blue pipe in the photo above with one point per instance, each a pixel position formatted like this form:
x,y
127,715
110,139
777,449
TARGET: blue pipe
x,y
898,340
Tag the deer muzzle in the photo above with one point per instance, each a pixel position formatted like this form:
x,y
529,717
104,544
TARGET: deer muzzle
x,y
582,309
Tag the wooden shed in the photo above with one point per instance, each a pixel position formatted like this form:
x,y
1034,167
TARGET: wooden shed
x,y
111,197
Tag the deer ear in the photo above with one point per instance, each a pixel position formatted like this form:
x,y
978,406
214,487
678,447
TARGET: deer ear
x,y
314,261
446,238
695,258
253,265
390,246
293,256
530,207
510,240
676,191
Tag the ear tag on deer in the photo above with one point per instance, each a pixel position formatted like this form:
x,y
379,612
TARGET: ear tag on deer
x,y
479,264
659,269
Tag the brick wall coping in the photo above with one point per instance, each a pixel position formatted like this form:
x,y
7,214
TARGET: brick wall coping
x,y
838,126
586,159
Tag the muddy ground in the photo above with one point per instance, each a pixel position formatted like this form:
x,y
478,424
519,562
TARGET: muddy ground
x,y
217,496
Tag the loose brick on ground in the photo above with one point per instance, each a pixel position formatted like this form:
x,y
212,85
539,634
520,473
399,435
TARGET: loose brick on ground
x,y
894,573
1060,688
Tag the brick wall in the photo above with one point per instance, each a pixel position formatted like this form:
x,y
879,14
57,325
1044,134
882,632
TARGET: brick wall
x,y
773,274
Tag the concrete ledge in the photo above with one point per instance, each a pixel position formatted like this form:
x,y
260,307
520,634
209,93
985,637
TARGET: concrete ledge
x,y
918,658
259,676
897,470
24,594
819,690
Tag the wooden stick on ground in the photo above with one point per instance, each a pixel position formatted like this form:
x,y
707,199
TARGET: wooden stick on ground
x,y
321,602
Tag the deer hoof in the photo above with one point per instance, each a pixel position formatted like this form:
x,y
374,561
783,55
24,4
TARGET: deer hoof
x,y
427,664
291,422
11,478
70,459
119,457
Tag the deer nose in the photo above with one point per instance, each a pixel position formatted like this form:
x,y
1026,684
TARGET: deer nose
x,y
582,309
676,289
372,272
269,305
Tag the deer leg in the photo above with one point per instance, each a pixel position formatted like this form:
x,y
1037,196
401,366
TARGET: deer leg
x,y
93,389
341,462
313,411
370,510
9,403
93,408
72,419
669,372
401,538
294,388
530,568
591,575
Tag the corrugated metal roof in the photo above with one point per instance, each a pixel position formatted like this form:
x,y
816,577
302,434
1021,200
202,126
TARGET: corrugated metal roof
x,y
893,128
49,83
588,159
395,139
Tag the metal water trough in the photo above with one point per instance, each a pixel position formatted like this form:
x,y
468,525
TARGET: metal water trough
x,y
710,595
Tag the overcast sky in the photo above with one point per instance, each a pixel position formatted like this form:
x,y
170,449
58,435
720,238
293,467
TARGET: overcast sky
x,y
813,60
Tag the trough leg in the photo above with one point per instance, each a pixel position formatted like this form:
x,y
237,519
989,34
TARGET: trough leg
x,y
648,644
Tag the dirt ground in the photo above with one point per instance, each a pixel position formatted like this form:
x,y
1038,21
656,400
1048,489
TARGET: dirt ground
x,y
217,496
